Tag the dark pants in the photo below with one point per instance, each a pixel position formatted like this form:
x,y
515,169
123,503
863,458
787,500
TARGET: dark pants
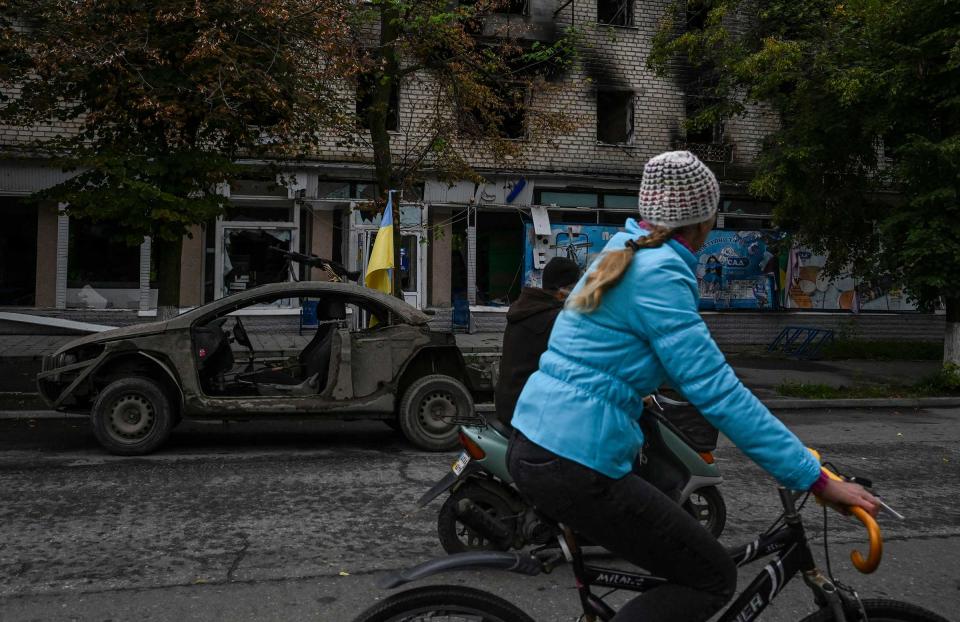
x,y
635,521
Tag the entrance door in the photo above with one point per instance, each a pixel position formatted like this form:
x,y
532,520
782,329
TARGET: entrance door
x,y
18,253
412,263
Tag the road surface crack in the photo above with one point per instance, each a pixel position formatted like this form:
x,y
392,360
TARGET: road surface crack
x,y
239,558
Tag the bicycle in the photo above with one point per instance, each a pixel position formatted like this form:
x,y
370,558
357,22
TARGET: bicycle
x,y
785,539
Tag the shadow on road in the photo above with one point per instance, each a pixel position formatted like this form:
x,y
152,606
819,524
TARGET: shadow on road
x,y
70,435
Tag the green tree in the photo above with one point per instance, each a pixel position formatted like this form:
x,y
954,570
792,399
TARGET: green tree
x,y
476,68
158,100
866,161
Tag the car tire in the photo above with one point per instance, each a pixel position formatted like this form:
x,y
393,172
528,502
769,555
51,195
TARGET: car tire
x,y
431,410
132,416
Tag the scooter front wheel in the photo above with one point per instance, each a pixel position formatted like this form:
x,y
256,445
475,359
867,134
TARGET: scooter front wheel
x,y
707,506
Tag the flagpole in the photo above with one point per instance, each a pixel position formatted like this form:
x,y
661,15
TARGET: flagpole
x,y
397,289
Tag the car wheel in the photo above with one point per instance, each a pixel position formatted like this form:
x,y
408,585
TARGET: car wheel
x,y
132,416
431,410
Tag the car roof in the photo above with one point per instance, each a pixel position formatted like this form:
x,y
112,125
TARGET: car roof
x,y
406,312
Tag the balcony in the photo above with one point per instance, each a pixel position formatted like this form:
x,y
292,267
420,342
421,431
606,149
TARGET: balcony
x,y
720,153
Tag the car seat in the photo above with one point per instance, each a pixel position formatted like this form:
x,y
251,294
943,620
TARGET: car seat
x,y
314,359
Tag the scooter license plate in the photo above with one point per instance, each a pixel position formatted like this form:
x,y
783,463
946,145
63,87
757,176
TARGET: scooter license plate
x,y
461,463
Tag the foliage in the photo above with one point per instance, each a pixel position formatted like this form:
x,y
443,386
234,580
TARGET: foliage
x,y
166,96
882,350
866,162
942,384
159,99
475,68
947,380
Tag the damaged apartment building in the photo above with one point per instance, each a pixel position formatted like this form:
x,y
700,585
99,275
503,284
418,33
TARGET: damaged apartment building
x,y
464,245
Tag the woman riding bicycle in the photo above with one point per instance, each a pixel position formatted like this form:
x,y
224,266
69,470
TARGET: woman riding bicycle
x,y
631,325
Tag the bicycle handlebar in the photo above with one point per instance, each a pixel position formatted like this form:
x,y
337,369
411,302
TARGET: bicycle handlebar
x,y
872,561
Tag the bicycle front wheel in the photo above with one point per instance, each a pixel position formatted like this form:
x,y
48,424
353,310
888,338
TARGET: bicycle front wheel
x,y
448,603
885,611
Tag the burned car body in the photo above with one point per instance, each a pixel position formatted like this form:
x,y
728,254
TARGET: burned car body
x,y
369,356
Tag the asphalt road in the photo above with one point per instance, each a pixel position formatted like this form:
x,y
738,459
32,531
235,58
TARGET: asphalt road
x,y
291,521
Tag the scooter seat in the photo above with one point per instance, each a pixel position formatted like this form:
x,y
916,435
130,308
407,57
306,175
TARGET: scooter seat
x,y
499,426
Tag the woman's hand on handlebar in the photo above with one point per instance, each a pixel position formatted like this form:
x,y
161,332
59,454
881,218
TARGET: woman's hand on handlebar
x,y
843,494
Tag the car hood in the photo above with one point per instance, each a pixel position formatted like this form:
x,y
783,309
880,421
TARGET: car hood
x,y
125,332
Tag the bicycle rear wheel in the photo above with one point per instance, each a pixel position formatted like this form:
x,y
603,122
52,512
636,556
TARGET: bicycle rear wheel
x,y
885,611
443,602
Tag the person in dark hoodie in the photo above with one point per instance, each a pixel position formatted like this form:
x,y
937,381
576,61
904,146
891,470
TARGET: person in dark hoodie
x,y
529,322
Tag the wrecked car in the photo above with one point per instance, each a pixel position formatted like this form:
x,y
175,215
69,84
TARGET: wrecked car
x,y
365,355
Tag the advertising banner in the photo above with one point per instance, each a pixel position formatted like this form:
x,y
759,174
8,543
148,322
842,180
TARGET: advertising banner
x,y
737,270
757,270
581,243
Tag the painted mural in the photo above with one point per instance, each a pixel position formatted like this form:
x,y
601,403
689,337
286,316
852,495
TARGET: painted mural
x,y
759,270
806,286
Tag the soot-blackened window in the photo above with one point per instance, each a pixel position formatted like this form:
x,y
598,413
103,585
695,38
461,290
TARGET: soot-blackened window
x,y
615,12
615,117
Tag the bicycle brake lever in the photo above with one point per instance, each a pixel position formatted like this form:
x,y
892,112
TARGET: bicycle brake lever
x,y
890,510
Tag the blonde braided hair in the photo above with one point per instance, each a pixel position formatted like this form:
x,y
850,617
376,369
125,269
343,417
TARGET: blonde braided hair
x,y
611,267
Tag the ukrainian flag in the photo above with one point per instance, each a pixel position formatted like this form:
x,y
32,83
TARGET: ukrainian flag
x,y
380,267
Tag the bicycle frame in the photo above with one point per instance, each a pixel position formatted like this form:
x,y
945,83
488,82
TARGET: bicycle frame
x,y
789,544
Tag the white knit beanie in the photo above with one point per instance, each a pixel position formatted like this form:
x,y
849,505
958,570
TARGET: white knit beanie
x,y
677,189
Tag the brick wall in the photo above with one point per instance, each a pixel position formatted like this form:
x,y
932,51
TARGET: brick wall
x,y
611,56
734,329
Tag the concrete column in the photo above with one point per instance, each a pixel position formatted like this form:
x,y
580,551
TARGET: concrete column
x,y
321,240
46,294
63,249
472,256
439,246
191,268
145,249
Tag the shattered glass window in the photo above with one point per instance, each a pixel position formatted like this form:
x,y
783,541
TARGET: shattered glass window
x,y
250,258
615,12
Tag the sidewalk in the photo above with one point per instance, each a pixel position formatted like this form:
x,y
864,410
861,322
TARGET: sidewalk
x,y
20,360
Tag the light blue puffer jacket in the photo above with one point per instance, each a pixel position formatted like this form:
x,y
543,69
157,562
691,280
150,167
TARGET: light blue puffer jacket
x,y
585,401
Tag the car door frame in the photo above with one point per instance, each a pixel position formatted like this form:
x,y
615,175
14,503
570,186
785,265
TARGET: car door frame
x,y
199,405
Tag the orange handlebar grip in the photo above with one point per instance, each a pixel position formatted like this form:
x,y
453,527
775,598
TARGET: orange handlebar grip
x,y
868,565
872,561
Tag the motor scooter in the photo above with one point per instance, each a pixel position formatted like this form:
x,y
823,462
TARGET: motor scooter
x,y
486,512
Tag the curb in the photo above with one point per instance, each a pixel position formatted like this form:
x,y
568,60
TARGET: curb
x,y
27,415
898,402
488,407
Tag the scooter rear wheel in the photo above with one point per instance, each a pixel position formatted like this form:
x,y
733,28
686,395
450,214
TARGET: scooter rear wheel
x,y
707,506
455,537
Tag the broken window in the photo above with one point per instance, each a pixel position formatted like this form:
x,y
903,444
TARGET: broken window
x,y
365,92
506,115
615,12
615,117
707,134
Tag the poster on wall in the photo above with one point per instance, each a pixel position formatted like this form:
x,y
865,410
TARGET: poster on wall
x,y
808,287
581,243
737,270
757,270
